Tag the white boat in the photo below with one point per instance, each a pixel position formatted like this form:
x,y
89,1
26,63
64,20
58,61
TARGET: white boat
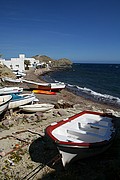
x,y
18,100
10,90
11,80
36,85
45,86
37,107
19,73
57,86
4,101
83,135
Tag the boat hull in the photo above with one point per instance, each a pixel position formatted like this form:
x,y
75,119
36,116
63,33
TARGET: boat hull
x,y
43,92
36,107
10,80
83,135
4,101
45,86
38,87
25,99
70,154
10,90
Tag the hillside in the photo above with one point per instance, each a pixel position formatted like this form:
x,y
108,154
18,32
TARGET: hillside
x,y
5,71
60,63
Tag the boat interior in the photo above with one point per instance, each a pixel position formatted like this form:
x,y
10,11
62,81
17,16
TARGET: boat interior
x,y
88,128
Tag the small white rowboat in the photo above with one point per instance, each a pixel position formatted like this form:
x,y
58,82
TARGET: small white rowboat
x,y
22,99
10,90
4,101
82,135
11,80
36,107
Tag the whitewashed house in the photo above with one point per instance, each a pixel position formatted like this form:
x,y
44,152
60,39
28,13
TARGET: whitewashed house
x,y
18,63
2,61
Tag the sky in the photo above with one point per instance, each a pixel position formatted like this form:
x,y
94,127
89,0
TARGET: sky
x,y
84,31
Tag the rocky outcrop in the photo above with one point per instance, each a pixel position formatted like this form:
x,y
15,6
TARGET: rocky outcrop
x,y
6,72
43,58
60,63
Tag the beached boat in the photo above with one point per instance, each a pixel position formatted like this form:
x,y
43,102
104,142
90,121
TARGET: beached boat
x,y
39,91
11,80
57,86
18,100
45,86
4,101
19,73
37,107
10,90
83,135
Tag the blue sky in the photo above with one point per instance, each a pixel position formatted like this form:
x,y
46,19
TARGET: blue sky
x,y
81,30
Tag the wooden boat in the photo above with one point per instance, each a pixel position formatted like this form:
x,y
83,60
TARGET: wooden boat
x,y
45,86
11,80
38,91
82,135
10,90
4,101
18,100
37,107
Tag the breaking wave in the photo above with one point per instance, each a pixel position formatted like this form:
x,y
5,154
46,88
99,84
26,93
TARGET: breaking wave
x,y
96,96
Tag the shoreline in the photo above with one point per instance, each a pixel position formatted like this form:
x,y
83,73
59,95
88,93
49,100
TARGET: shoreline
x,y
105,105
90,92
21,145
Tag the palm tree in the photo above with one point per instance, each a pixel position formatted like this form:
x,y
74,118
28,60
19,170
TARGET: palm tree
x,y
27,63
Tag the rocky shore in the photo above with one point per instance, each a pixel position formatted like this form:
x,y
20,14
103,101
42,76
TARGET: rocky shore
x,y
23,150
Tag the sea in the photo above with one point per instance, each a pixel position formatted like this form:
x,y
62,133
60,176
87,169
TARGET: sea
x,y
98,82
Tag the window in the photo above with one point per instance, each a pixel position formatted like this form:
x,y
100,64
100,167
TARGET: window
x,y
11,66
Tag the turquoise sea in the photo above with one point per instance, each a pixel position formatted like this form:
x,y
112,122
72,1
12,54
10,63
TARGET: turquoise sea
x,y
99,82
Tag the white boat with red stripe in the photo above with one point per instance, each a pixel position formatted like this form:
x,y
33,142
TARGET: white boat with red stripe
x,y
83,135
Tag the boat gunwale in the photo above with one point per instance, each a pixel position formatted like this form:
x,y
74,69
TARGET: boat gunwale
x,y
5,102
50,128
29,106
23,97
10,90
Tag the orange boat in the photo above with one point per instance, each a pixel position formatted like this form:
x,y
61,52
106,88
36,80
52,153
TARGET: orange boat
x,y
39,91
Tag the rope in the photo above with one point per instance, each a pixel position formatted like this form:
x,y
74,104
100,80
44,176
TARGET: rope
x,y
52,161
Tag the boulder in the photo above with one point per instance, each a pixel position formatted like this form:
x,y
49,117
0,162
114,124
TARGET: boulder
x,y
62,112
63,104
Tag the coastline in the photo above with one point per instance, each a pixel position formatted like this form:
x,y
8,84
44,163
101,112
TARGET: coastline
x,y
86,104
20,146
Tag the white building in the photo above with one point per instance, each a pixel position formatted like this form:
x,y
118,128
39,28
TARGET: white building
x,y
18,63
1,61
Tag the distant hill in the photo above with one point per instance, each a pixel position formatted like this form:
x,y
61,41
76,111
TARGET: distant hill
x,y
60,63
